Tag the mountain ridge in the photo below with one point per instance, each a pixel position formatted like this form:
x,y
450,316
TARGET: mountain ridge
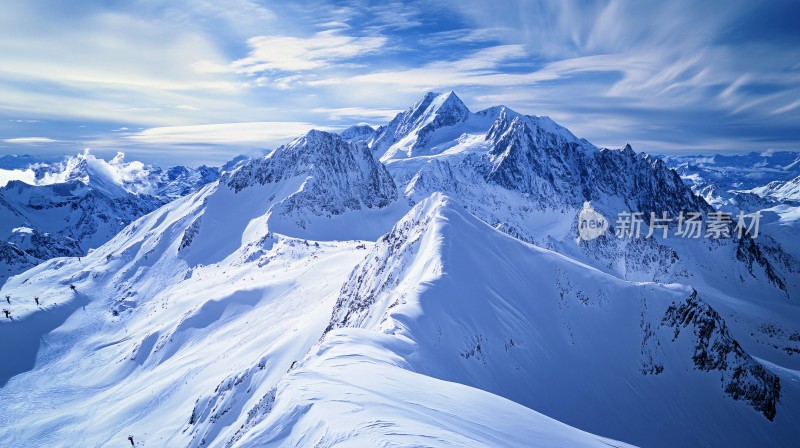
x,y
330,293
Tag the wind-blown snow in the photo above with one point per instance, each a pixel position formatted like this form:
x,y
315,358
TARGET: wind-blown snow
x,y
27,176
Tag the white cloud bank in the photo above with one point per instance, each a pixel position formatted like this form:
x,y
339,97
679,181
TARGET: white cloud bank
x,y
29,140
263,134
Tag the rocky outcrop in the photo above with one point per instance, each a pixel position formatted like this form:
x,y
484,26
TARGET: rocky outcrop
x,y
715,350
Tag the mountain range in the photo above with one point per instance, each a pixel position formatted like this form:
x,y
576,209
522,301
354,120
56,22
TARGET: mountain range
x,y
422,283
68,207
767,183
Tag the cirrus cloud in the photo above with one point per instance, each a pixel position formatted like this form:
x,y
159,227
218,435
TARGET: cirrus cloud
x,y
290,53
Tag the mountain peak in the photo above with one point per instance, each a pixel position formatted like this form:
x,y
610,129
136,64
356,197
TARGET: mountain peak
x,y
436,103
413,129
451,97
312,136
299,157
447,103
361,132
317,178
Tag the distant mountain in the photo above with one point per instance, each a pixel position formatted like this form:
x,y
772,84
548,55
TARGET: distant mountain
x,y
736,181
737,171
750,183
66,208
358,133
782,190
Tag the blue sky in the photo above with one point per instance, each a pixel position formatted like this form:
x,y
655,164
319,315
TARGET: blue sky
x,y
199,81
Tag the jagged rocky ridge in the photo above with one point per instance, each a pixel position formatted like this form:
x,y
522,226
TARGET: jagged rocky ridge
x,y
715,349
326,160
332,177
529,177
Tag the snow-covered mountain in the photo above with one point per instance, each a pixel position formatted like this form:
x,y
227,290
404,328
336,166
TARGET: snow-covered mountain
x,y
737,171
323,178
530,177
449,297
119,177
358,133
62,209
783,190
748,182
419,284
751,183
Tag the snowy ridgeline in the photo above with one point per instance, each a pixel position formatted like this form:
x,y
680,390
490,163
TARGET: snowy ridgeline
x,y
419,284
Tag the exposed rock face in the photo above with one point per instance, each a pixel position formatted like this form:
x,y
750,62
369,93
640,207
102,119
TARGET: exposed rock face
x,y
751,254
337,176
716,350
556,171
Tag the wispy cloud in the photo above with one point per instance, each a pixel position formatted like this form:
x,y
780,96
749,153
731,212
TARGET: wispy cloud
x,y
787,108
289,53
358,113
263,134
105,65
479,68
686,73
29,140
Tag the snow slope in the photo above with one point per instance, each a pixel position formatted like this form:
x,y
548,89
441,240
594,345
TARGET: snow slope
x,y
183,323
201,280
356,390
148,332
456,300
